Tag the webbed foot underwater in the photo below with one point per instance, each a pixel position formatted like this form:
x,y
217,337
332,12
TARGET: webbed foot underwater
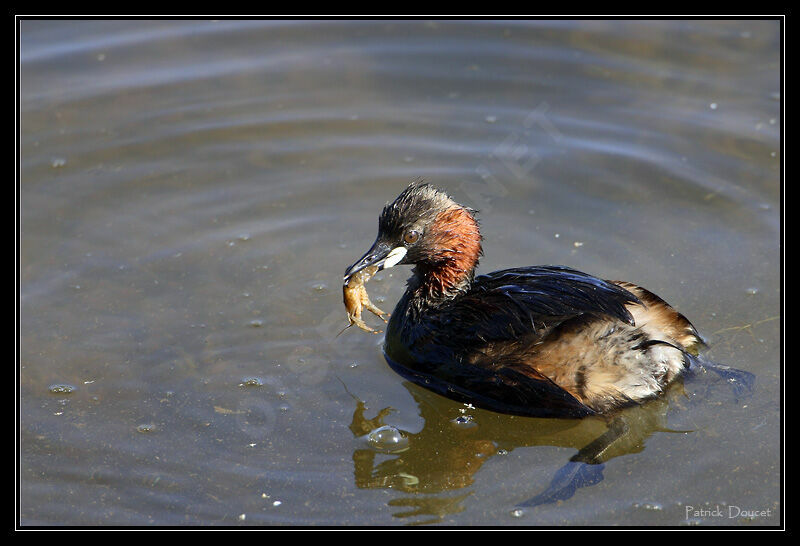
x,y
546,341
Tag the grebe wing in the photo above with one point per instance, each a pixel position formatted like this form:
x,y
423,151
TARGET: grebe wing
x,y
513,302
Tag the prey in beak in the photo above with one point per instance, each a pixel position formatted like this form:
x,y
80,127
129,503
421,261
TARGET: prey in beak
x,y
355,293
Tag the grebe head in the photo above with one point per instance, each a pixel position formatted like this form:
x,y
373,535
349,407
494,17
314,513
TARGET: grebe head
x,y
426,228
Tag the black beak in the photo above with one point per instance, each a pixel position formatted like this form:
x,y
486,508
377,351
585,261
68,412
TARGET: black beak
x,y
374,256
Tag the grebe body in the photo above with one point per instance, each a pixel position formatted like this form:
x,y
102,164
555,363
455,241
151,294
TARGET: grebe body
x,y
545,341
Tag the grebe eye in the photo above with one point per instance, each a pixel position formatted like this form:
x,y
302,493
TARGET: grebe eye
x,y
411,237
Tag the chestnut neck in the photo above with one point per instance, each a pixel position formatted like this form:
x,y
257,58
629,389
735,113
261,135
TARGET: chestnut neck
x,y
454,251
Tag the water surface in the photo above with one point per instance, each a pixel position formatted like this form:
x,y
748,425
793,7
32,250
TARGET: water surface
x,y
192,191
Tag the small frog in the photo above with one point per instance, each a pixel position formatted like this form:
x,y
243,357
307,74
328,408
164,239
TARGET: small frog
x,y
356,298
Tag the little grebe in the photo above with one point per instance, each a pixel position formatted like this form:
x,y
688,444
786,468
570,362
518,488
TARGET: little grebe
x,y
545,341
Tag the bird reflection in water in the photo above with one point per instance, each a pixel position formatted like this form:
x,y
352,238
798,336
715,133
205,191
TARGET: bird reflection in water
x,y
456,440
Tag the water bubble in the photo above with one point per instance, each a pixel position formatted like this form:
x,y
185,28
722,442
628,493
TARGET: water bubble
x,y
251,382
654,506
388,439
517,513
58,162
61,388
146,428
464,421
713,105
752,291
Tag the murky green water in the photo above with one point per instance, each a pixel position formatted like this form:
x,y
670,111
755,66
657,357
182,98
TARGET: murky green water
x,y
192,191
